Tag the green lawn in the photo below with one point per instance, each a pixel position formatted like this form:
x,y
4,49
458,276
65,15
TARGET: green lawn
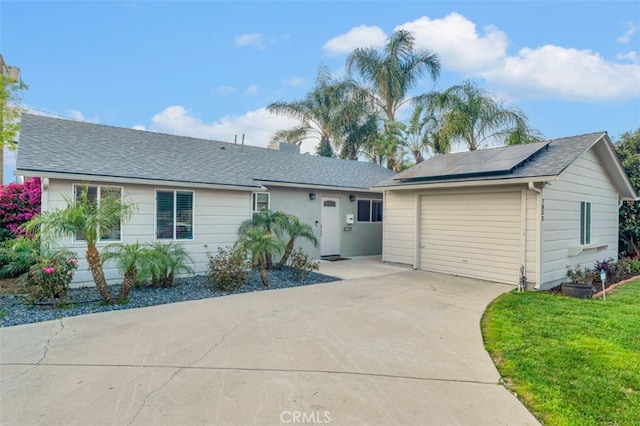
x,y
570,361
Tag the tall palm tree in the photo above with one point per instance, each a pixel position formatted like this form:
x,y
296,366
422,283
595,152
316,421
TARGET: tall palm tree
x,y
421,135
85,218
474,117
391,73
323,113
296,229
256,241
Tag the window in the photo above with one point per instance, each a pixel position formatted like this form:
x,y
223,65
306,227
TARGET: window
x,y
369,211
174,215
585,223
94,194
260,201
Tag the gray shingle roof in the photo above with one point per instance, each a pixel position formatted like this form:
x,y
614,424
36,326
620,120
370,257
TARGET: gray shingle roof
x,y
549,161
53,145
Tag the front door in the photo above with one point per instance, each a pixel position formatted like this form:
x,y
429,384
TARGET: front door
x,y
330,219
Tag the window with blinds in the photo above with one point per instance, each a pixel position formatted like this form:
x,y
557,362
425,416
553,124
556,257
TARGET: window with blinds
x,y
174,215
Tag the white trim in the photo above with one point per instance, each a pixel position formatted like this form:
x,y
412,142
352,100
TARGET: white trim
x,y
326,187
538,192
472,183
149,182
418,229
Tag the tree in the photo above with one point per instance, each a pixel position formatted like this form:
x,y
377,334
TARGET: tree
x,y
10,91
85,218
257,241
628,149
473,117
421,135
296,229
323,113
390,73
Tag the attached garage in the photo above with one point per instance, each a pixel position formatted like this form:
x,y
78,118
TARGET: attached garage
x,y
475,234
493,213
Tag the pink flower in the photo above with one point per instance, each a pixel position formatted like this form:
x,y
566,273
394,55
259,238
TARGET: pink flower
x,y
49,270
72,261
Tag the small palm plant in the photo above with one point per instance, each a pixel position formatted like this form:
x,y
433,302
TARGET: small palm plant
x,y
128,259
85,218
163,261
257,242
296,229
272,223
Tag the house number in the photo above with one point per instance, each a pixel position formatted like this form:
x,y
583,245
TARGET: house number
x,y
542,211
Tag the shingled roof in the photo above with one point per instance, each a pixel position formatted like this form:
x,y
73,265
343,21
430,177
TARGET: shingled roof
x,y
543,160
63,147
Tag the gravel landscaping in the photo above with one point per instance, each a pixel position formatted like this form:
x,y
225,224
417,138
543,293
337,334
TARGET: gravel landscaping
x,y
86,300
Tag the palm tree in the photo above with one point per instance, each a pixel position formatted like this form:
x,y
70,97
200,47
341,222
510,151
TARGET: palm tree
x,y
85,218
257,241
128,258
163,261
389,74
323,113
475,118
273,223
296,229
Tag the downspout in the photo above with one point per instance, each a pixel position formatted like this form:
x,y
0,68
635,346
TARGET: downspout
x,y
533,188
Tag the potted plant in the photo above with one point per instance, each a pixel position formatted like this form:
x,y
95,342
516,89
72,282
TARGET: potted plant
x,y
580,285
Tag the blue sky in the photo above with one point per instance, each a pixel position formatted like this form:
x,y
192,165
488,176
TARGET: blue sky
x,y
208,68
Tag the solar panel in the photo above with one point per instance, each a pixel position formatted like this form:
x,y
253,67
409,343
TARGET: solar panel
x,y
491,161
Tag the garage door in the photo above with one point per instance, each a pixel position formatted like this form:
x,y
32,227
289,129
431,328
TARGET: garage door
x,y
472,234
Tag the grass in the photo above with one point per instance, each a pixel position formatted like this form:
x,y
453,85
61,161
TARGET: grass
x,y
570,361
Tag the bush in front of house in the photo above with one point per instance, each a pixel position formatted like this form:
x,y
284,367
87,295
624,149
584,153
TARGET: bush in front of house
x,y
163,261
615,271
228,268
50,277
17,256
19,202
302,264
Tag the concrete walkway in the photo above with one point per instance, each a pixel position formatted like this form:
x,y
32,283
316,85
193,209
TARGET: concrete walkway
x,y
401,347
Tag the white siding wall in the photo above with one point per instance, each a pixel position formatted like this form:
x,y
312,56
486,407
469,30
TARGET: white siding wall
x,y
399,227
584,180
217,216
532,233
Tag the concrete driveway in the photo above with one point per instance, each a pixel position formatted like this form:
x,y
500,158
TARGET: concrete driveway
x,y
398,347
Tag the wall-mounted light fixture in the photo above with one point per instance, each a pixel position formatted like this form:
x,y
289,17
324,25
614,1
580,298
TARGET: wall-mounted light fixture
x,y
352,197
312,196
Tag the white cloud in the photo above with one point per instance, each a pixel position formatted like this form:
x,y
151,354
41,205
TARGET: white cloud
x,y
630,56
252,90
457,42
255,39
558,72
79,116
258,126
294,81
630,30
362,36
224,90
139,127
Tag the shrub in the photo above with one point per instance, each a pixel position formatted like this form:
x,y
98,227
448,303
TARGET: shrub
x,y
18,204
163,261
50,277
302,264
578,275
227,268
17,256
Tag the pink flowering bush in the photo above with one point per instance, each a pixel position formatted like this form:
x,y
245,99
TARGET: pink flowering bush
x,y
51,276
18,204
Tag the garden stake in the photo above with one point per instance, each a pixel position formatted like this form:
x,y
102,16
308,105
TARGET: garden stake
x,y
603,278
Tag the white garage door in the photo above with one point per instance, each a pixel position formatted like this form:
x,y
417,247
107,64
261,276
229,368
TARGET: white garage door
x,y
472,234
